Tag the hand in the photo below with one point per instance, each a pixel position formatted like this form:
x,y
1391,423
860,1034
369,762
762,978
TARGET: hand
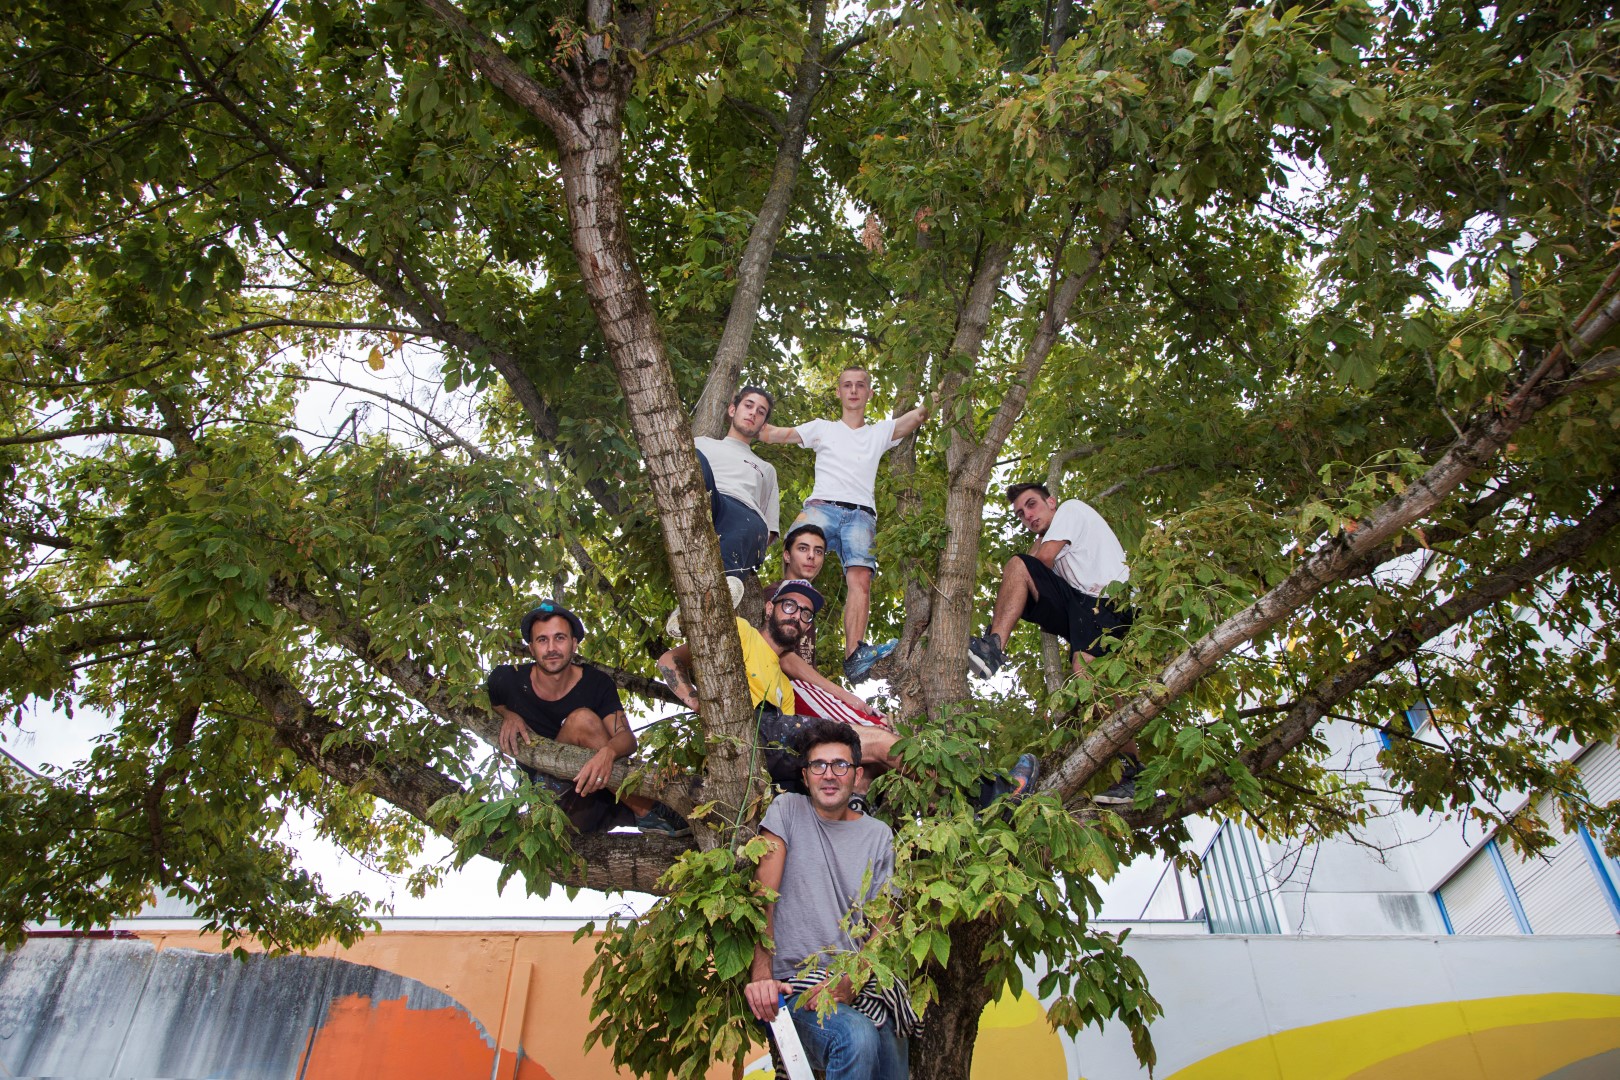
x,y
842,991
764,997
512,729
594,776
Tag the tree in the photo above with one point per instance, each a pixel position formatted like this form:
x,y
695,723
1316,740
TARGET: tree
x,y
1316,303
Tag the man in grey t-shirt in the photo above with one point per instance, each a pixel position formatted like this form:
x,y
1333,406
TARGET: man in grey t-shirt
x,y
821,855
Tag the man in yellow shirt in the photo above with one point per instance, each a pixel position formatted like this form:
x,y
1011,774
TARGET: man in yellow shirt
x,y
771,664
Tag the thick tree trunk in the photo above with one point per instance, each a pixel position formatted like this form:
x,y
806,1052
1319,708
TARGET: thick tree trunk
x,y
586,117
944,1050
592,173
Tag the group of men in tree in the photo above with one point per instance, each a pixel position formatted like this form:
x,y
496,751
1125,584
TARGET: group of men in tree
x,y
821,743
746,502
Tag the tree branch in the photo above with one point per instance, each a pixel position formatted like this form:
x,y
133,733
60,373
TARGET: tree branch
x,y
610,862
80,432
319,324
487,56
685,35
1333,560
1394,649
471,450
541,417
709,418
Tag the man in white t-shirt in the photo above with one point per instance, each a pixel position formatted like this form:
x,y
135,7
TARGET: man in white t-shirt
x,y
745,501
1058,586
844,500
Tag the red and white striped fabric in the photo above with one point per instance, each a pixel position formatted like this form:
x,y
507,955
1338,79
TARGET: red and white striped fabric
x,y
814,701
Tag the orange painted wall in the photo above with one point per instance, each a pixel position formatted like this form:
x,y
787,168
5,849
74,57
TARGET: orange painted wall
x,y
526,989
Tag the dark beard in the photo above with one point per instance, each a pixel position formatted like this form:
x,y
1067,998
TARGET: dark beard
x,y
785,634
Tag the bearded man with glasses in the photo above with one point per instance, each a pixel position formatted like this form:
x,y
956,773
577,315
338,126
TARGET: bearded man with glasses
x,y
773,666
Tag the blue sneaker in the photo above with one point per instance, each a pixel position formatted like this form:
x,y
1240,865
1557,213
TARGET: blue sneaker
x,y
861,660
1023,777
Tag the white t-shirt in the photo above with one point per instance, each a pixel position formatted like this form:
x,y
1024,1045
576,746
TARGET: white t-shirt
x,y
847,458
1093,557
744,475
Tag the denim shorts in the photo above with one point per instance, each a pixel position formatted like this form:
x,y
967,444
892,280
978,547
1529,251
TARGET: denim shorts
x,y
851,534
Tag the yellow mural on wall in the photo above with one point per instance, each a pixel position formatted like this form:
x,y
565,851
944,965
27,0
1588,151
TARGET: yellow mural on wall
x,y
1521,1037
1016,1043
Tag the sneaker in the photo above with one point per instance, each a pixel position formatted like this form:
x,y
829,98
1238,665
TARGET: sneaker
x,y
985,655
858,803
1023,776
1124,792
663,821
672,626
1014,785
861,660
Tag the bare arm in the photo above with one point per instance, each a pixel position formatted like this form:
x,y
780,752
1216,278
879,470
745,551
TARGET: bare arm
x,y
797,667
676,668
513,730
910,421
1047,550
780,436
763,990
621,740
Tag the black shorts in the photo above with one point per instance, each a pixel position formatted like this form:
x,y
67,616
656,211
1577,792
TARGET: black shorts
x,y
777,731
1088,623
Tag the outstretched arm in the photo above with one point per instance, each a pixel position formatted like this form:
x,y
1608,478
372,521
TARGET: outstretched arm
x,y
770,433
911,421
763,990
797,667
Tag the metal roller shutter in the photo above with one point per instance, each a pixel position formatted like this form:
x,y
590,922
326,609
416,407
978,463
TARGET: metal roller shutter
x,y
1559,888
1475,902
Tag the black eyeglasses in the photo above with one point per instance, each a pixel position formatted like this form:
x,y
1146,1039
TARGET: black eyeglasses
x,y
791,607
839,768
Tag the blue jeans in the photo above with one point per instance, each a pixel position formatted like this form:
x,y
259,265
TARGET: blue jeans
x,y
742,532
847,1046
851,534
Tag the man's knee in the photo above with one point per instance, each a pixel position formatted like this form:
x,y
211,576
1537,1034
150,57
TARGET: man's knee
x,y
583,728
845,1035
859,578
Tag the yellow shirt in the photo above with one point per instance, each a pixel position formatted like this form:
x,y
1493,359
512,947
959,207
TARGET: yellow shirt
x,y
765,679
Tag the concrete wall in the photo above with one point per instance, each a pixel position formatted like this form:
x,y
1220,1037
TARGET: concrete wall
x,y
508,1003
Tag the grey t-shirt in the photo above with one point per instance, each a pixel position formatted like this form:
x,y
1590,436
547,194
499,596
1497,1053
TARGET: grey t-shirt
x,y
745,476
821,881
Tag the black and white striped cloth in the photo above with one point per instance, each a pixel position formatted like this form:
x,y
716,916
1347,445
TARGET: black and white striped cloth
x,y
879,1005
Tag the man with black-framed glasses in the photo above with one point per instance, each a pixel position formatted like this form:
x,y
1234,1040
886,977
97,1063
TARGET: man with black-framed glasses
x,y
826,860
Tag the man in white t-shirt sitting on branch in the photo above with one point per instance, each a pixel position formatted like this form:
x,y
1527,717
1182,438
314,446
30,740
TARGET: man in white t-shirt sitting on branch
x,y
844,500
1058,586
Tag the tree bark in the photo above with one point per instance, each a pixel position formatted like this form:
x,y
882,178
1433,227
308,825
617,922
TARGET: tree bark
x,y
587,122
944,1050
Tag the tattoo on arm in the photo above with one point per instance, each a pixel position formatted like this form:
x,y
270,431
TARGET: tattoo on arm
x,y
674,680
